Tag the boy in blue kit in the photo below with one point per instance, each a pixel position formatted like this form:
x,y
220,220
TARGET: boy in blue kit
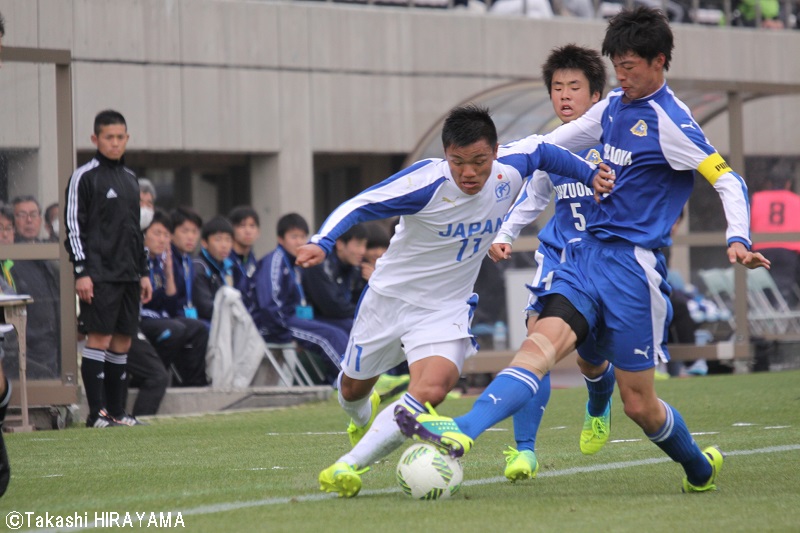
x,y
246,229
213,268
575,78
181,342
284,313
186,224
613,282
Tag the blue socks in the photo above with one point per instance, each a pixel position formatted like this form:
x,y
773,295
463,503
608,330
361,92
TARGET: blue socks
x,y
505,395
600,390
676,441
528,419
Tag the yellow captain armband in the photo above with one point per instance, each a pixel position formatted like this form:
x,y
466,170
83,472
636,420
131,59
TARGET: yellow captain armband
x,y
713,167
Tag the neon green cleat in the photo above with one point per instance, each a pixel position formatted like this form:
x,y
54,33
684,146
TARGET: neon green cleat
x,y
440,431
356,433
596,430
520,465
341,478
715,458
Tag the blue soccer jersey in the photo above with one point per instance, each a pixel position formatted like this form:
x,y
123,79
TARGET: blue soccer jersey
x,y
654,147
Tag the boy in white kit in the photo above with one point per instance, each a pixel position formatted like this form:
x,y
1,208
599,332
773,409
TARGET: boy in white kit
x,y
419,301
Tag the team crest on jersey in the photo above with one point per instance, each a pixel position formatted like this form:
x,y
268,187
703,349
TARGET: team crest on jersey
x,y
502,190
640,129
594,157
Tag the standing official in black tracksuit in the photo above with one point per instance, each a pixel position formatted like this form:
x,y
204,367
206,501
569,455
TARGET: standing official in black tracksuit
x,y
106,249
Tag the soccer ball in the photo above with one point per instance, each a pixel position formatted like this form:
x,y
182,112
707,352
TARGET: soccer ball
x,y
424,473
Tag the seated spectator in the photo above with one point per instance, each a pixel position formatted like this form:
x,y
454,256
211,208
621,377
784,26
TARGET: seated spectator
x,y
38,278
246,229
334,286
777,210
213,268
28,217
8,342
186,225
147,373
51,223
7,237
147,202
283,313
180,341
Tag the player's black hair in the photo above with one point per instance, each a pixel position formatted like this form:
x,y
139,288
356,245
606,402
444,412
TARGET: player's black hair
x,y
182,214
468,124
574,57
218,224
291,221
642,30
241,213
107,118
357,231
161,217
2,25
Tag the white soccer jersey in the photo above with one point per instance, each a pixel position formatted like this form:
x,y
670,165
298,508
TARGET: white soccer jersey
x,y
443,235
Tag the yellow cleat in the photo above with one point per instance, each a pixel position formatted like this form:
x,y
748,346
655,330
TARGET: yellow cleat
x,y
715,458
596,430
341,478
356,433
520,465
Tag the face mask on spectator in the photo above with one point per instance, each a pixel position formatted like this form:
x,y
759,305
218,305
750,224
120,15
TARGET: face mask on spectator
x,y
145,217
56,226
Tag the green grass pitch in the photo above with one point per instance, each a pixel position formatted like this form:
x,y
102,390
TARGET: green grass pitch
x,y
257,471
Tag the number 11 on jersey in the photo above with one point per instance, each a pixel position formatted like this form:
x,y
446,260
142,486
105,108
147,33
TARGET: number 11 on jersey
x,y
465,246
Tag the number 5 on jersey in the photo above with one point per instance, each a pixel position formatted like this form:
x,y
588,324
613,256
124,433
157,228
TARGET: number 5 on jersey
x,y
580,222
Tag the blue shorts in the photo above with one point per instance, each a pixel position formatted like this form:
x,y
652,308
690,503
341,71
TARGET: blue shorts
x,y
548,258
622,292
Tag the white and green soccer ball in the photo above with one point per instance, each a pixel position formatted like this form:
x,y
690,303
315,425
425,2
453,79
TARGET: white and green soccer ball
x,y
424,473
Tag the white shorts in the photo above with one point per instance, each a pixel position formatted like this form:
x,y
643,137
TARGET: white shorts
x,y
388,331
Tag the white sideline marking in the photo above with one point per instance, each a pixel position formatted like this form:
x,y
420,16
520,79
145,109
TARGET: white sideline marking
x,y
307,433
233,506
625,440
